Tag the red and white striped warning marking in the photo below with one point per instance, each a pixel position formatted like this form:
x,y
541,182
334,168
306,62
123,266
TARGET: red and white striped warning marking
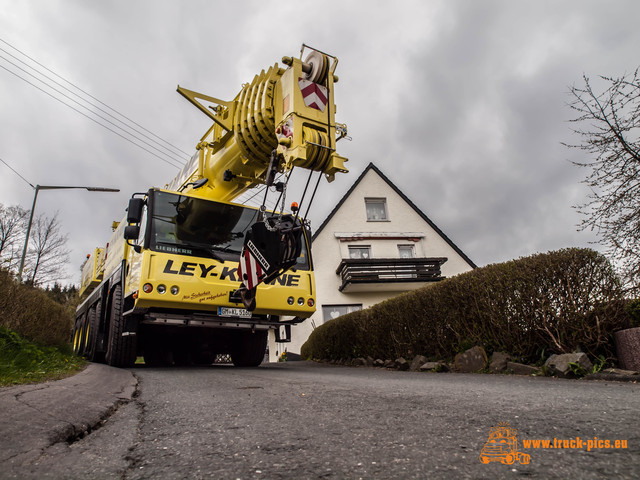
x,y
314,95
249,269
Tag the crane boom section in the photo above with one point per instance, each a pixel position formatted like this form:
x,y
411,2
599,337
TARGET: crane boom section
x,y
287,110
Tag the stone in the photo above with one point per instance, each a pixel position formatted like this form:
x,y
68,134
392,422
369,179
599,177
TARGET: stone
x,y
378,363
619,371
521,368
628,348
360,361
402,364
560,365
389,364
417,362
615,375
370,361
471,361
499,362
434,366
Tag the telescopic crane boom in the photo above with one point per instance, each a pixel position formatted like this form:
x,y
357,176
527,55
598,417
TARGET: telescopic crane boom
x,y
286,111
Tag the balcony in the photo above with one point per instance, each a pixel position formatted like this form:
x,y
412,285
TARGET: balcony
x,y
387,274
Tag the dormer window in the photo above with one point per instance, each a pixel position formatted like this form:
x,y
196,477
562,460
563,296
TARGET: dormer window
x,y
376,209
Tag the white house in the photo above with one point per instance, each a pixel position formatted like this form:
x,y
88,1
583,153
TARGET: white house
x,y
374,245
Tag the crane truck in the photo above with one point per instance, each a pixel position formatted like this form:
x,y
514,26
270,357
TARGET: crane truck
x,y
187,273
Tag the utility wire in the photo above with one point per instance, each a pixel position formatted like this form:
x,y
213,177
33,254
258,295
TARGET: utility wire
x,y
82,106
176,149
90,118
14,171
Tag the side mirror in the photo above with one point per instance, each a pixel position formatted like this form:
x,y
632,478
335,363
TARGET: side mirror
x,y
134,212
132,232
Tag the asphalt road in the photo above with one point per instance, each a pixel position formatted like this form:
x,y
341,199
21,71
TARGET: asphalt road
x,y
302,420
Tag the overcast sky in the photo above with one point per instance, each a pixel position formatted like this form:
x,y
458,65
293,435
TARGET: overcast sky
x,y
462,104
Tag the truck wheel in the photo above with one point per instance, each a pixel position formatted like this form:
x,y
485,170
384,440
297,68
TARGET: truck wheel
x,y
121,350
76,337
94,326
249,349
80,335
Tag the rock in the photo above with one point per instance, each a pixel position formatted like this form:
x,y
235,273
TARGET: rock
x,y
559,365
619,371
473,360
360,361
615,375
499,362
417,362
370,361
389,364
434,366
402,364
378,363
521,368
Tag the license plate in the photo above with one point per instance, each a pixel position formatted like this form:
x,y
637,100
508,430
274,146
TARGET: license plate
x,y
234,312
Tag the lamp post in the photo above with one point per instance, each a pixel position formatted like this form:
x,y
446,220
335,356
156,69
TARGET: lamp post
x,y
37,188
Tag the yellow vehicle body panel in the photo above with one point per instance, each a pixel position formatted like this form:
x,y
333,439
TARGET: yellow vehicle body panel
x,y
205,284
92,271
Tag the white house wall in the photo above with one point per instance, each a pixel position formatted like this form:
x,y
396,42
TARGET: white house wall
x,y
351,219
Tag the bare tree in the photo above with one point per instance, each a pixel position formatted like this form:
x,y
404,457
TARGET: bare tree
x,y
610,132
12,231
48,251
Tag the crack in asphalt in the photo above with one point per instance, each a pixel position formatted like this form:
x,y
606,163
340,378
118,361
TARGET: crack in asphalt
x,y
131,458
82,433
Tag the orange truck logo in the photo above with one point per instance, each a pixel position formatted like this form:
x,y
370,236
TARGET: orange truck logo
x,y
502,446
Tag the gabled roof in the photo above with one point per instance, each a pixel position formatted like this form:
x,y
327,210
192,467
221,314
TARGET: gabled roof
x,y
371,166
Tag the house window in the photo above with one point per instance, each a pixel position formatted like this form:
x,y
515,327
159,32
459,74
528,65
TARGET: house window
x,y
361,251
329,312
406,251
376,209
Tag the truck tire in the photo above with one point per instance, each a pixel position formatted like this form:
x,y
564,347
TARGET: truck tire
x,y
80,335
121,350
249,349
93,355
77,330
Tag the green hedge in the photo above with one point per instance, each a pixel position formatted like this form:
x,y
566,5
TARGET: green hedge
x,y
30,312
531,307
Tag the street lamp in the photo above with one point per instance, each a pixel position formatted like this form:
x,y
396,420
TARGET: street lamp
x,y
37,188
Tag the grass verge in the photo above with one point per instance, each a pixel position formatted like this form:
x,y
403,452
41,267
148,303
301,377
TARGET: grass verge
x,y
22,361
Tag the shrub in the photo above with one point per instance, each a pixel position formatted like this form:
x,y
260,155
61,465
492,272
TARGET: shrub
x,y
531,307
30,312
633,310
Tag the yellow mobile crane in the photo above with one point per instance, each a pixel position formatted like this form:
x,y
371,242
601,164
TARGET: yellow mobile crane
x,y
188,274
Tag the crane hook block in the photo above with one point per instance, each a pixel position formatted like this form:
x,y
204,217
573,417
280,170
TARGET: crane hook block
x,y
270,248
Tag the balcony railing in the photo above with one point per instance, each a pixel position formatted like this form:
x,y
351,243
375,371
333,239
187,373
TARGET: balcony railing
x,y
388,273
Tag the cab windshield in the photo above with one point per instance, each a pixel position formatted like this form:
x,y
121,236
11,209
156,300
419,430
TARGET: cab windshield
x,y
203,228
